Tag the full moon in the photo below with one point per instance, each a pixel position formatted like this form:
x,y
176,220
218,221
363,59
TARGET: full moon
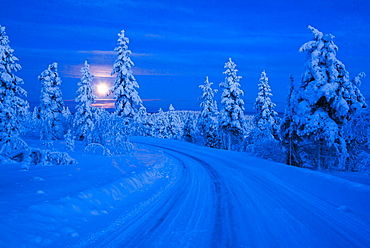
x,y
102,89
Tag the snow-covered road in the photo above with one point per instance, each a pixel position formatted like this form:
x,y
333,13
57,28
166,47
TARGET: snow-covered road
x,y
218,198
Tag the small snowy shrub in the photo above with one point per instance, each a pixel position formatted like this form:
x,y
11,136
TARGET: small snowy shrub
x,y
16,149
36,156
264,147
120,145
70,142
357,135
97,149
59,158
47,157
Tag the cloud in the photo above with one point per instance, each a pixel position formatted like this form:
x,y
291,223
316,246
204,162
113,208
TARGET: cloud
x,y
113,53
149,72
141,54
98,52
103,103
99,71
109,103
104,71
154,36
153,100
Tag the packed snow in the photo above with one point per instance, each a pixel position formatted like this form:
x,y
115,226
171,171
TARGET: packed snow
x,y
168,193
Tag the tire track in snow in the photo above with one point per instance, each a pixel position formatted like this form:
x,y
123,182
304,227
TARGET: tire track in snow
x,y
159,214
223,234
148,215
288,203
247,207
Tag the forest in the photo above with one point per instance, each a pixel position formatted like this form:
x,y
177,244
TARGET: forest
x,y
325,124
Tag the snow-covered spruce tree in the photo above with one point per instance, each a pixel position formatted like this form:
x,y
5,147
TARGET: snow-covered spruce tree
x,y
264,140
357,135
140,123
325,102
288,130
34,127
208,120
69,139
175,126
51,106
13,108
67,119
124,89
83,118
232,122
101,120
125,85
160,129
265,117
190,131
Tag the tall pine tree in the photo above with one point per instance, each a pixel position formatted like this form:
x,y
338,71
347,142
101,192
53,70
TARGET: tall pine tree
x,y
208,119
265,117
232,121
125,85
174,127
83,118
160,127
288,130
51,106
325,102
13,108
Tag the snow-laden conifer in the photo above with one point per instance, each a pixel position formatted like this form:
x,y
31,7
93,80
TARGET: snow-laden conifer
x,y
101,120
141,122
13,108
160,129
67,119
83,118
265,117
357,134
125,85
69,139
232,122
34,126
288,129
208,120
174,124
51,106
326,100
190,130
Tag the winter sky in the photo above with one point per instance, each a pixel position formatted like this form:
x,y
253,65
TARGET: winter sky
x,y
176,44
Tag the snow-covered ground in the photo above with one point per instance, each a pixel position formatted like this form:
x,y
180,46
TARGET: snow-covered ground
x,y
170,193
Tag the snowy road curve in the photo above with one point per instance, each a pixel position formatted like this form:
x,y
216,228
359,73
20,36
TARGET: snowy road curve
x,y
227,199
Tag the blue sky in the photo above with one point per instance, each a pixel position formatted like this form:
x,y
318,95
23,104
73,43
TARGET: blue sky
x,y
176,44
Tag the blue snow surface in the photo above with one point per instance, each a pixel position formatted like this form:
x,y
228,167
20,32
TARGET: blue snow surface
x,y
168,193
